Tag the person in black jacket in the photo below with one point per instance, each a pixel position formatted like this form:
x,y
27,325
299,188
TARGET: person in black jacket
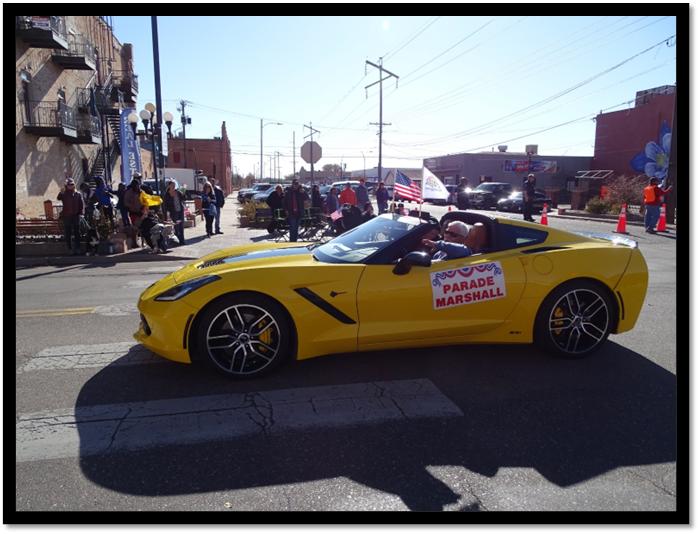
x,y
274,201
294,198
529,193
462,194
174,206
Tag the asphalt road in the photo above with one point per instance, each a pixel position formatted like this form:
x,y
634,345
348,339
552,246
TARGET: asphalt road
x,y
469,428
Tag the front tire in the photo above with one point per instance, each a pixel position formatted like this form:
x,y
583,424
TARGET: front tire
x,y
574,320
244,336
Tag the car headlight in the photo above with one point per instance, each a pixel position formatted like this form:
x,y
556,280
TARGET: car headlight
x,y
186,288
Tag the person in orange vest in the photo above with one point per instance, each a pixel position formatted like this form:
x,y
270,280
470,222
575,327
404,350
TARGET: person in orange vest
x,y
651,198
348,196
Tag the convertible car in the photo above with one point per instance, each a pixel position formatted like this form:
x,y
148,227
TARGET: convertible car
x,y
245,309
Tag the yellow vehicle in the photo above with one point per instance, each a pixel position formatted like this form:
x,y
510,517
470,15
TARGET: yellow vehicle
x,y
246,309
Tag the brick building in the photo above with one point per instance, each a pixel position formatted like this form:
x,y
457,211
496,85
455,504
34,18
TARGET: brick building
x,y
73,78
621,135
211,156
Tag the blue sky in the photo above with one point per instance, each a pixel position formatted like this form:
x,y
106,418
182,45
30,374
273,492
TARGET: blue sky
x,y
465,84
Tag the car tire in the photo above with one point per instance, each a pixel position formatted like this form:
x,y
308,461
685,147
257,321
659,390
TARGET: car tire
x,y
244,335
574,320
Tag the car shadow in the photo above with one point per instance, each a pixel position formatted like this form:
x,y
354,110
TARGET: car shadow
x,y
571,420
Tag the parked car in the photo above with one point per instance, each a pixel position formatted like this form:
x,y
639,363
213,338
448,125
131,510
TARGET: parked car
x,y
262,196
515,202
487,195
247,194
451,199
245,309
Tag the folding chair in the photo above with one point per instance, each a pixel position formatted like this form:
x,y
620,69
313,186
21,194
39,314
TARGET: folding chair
x,y
281,226
311,224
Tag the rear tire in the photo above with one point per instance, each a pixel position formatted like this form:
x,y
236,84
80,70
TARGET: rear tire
x,y
574,320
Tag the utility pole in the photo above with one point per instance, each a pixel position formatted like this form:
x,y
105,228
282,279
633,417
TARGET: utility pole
x,y
313,130
185,121
381,123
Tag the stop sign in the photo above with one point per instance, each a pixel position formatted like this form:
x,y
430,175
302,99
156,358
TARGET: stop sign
x,y
306,152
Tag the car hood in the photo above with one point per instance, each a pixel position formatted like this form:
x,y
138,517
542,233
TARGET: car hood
x,y
244,257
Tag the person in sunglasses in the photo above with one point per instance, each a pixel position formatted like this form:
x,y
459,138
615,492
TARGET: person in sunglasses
x,y
454,244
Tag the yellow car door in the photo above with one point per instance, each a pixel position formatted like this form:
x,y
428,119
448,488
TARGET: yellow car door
x,y
461,297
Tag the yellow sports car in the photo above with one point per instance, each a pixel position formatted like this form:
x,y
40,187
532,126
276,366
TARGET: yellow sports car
x,y
245,309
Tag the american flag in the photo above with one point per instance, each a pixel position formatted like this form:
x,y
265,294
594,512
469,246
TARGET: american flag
x,y
406,188
335,215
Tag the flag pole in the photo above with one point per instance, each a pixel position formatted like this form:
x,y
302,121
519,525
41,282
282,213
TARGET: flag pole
x,y
422,194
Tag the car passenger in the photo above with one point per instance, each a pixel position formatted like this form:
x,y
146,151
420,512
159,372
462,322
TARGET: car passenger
x,y
476,238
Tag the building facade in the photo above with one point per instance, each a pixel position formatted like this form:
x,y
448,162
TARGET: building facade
x,y
509,167
73,79
211,156
621,136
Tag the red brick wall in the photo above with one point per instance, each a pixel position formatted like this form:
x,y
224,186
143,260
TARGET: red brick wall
x,y
620,135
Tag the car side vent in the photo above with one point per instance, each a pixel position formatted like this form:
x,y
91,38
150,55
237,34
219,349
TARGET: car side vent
x,y
542,249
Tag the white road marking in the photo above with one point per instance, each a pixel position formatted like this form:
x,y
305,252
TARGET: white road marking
x,y
82,356
95,430
140,284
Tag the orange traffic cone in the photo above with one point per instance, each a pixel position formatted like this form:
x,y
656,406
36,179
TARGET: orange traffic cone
x,y
662,221
544,217
621,227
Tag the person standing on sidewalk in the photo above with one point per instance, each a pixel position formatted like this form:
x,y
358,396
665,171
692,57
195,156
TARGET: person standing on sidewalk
x,y
651,198
132,198
529,193
220,201
348,196
73,210
174,206
293,200
208,206
362,194
382,198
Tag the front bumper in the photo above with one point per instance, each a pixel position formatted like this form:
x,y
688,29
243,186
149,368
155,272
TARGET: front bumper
x,y
166,329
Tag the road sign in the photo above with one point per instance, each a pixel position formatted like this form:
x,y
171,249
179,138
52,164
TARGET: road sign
x,y
306,152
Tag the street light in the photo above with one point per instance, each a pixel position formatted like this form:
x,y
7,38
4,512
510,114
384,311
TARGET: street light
x,y
365,162
167,117
148,117
261,162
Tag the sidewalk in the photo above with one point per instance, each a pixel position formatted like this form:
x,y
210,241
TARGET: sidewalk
x,y
198,244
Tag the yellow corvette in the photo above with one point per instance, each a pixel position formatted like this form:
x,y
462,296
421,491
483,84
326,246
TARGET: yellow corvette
x,y
245,309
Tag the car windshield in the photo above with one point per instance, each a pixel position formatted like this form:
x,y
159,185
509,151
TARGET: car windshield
x,y
366,239
487,187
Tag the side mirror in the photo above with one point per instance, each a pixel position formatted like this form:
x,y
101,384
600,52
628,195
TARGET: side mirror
x,y
420,259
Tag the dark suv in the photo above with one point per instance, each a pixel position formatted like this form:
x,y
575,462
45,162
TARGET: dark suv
x,y
487,194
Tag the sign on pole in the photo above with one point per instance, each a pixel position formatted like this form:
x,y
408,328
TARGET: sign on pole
x,y
311,152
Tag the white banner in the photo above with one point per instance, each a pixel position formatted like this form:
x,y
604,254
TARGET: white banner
x,y
432,187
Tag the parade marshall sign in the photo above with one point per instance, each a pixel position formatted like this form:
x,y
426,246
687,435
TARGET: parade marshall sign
x,y
467,286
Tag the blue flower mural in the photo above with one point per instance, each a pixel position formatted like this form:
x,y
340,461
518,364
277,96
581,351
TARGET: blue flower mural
x,y
654,159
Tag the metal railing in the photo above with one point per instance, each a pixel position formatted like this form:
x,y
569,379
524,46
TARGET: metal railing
x,y
56,24
78,46
47,114
125,77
